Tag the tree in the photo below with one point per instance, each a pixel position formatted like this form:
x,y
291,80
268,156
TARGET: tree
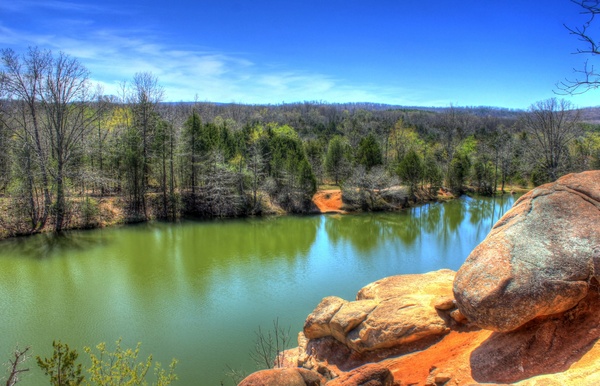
x,y
369,152
121,367
314,153
587,78
401,139
53,116
22,79
294,179
163,149
483,176
5,159
15,366
256,157
68,117
460,166
432,174
551,125
363,188
411,170
192,148
336,159
146,94
61,367
269,347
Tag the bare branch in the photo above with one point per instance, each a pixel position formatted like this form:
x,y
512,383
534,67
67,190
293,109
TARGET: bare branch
x,y
20,356
586,78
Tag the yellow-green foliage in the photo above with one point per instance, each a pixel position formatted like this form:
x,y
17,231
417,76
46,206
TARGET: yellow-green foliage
x,y
121,367
403,139
120,117
283,130
468,146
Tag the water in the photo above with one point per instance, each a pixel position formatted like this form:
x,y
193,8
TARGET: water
x,y
198,291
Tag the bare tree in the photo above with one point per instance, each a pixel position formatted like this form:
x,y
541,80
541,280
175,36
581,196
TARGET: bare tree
x,y
14,366
23,80
586,78
551,125
146,95
65,98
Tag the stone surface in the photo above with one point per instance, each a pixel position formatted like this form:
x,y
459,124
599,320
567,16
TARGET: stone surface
x,y
444,303
349,316
317,323
388,313
562,349
283,377
442,378
432,284
534,281
367,375
395,322
546,345
538,259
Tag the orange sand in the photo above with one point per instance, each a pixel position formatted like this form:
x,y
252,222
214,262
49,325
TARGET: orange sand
x,y
328,201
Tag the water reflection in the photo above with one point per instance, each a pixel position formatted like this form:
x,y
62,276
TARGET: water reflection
x,y
47,245
367,232
198,290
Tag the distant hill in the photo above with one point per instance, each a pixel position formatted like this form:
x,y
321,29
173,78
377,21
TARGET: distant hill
x,y
591,115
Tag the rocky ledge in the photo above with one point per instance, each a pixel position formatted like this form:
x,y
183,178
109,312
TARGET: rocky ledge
x,y
522,310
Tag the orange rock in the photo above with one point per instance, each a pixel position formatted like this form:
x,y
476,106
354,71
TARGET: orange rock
x,y
285,376
388,313
538,259
371,375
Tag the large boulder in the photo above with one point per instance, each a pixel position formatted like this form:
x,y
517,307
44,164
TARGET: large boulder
x,y
538,259
388,313
284,376
367,375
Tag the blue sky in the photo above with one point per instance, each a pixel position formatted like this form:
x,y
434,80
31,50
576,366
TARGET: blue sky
x,y
507,53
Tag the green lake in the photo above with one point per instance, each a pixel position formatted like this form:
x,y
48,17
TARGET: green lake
x,y
198,291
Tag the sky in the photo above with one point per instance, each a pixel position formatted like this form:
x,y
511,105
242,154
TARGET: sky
x,y
508,53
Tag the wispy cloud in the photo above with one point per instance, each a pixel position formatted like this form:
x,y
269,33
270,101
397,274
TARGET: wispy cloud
x,y
114,56
70,6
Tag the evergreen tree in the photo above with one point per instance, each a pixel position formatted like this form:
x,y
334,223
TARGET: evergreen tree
x,y
369,152
336,159
411,170
459,170
62,367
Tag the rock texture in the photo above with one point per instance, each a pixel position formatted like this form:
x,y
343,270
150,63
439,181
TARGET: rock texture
x,y
367,375
547,345
561,349
538,259
389,313
284,376
533,281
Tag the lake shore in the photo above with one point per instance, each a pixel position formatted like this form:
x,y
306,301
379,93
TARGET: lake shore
x,y
110,211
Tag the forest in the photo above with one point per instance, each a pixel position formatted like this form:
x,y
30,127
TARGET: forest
x,y
72,156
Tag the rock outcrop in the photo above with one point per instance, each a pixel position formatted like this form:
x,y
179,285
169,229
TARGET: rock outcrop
x,y
389,313
284,376
524,309
538,259
370,375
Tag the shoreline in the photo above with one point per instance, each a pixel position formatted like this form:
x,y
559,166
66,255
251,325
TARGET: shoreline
x,y
325,201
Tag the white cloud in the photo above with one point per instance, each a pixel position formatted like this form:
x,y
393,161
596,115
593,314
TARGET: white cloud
x,y
113,56
64,6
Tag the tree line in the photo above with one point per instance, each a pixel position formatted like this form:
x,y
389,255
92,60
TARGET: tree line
x,y
67,147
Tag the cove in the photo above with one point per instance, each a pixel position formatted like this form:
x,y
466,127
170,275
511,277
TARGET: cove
x,y
198,291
